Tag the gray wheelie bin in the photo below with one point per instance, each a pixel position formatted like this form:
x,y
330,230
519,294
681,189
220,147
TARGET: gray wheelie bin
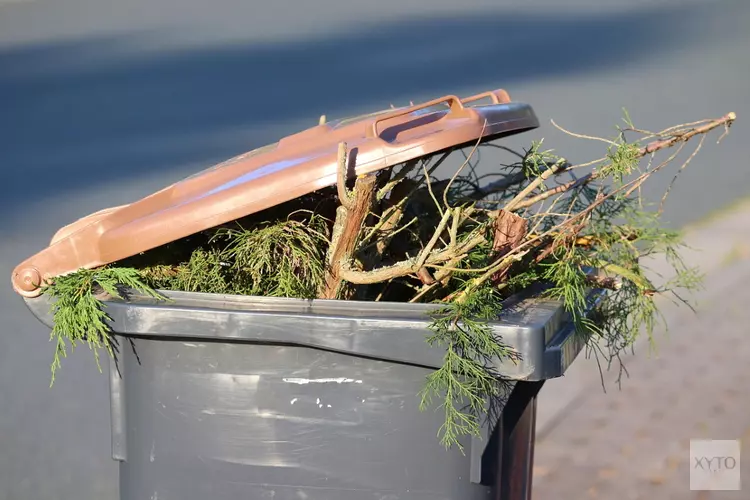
x,y
218,397
230,397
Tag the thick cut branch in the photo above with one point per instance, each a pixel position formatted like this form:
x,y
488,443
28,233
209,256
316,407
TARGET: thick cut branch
x,y
342,248
345,197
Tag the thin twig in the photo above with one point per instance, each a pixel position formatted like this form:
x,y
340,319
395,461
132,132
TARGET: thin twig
x,y
684,165
648,149
429,189
463,165
402,174
644,176
579,166
582,136
382,242
557,190
552,170
422,258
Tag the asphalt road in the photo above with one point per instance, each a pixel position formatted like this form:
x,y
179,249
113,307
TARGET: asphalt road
x,y
102,103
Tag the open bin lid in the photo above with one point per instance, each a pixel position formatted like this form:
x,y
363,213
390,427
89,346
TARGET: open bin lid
x,y
292,167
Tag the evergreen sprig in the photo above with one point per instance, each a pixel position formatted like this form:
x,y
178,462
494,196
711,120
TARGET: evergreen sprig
x,y
467,383
78,313
275,259
205,271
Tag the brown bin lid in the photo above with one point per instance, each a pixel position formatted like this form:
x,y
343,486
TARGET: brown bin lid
x,y
296,165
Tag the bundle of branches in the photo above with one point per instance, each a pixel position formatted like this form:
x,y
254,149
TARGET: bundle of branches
x,y
403,234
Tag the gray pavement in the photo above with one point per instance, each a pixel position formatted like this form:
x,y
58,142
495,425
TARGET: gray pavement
x,y
104,102
632,442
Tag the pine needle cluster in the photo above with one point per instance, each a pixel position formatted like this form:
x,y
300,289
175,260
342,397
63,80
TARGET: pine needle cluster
x,y
467,384
79,312
271,258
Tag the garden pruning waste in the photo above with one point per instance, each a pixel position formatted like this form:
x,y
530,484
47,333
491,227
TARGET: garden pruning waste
x,y
467,241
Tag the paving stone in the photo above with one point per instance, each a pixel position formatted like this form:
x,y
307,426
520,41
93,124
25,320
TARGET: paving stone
x,y
634,443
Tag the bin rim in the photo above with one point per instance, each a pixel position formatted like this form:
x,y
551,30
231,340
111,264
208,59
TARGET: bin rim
x,y
532,325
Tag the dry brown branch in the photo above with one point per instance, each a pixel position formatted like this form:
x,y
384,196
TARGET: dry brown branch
x,y
583,136
342,253
409,266
519,203
683,136
554,169
511,239
556,190
341,176
354,209
684,165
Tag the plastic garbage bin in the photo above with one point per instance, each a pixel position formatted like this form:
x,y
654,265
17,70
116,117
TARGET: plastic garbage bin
x,y
232,397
